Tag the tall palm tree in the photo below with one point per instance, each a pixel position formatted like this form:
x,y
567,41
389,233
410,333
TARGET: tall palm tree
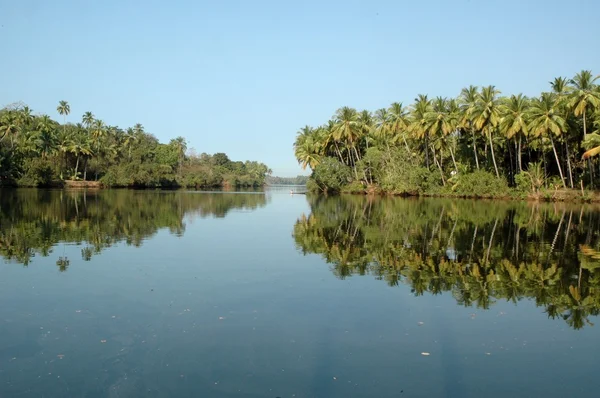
x,y
98,131
79,146
468,100
584,95
560,87
129,139
398,123
88,119
348,130
439,125
545,120
486,116
418,123
514,122
180,146
64,109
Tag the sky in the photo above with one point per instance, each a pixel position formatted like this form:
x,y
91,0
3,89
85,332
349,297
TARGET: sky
x,y
242,77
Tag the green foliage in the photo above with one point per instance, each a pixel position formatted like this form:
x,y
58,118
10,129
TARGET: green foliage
x,y
480,130
38,172
35,150
480,184
331,175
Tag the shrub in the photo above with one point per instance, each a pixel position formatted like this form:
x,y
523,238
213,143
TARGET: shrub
x,y
481,184
38,172
331,175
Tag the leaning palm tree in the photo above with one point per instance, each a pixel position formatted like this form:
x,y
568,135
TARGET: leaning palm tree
x,y
562,90
467,100
486,116
545,120
306,149
8,126
584,95
513,124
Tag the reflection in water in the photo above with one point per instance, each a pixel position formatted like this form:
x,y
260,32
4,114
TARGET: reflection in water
x,y
35,221
479,251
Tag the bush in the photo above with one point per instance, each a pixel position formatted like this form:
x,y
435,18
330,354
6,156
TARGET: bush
x,y
354,187
480,184
38,172
331,175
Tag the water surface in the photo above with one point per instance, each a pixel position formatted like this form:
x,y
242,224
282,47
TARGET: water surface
x,y
265,294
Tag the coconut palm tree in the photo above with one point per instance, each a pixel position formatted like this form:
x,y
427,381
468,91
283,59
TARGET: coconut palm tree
x,y
398,123
64,109
8,126
546,120
79,146
88,119
306,148
418,122
468,100
486,116
348,130
513,124
128,140
180,146
584,95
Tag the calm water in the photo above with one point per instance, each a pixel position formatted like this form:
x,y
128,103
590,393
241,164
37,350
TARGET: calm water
x,y
263,294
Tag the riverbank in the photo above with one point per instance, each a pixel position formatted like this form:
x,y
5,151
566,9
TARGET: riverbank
x,y
544,195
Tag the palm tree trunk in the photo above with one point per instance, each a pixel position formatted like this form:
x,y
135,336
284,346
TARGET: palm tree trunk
x,y
584,126
475,148
519,155
406,145
493,156
427,149
569,163
76,166
562,178
439,167
453,160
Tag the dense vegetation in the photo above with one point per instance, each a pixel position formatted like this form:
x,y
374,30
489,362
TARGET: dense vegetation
x,y
298,180
477,252
37,151
33,222
479,144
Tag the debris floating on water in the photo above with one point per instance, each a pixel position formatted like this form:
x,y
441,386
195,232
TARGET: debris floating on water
x,y
425,354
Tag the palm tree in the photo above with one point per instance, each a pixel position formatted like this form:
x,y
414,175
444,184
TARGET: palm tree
x,y
584,95
486,116
79,146
88,119
545,120
560,87
439,125
45,136
398,123
418,124
348,130
306,149
64,109
8,126
180,146
98,131
468,100
513,123
129,139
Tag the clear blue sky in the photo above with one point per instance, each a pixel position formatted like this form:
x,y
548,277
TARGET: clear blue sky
x,y
242,77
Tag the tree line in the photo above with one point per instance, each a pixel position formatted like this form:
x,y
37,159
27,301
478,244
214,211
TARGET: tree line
x,y
298,180
38,151
433,144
